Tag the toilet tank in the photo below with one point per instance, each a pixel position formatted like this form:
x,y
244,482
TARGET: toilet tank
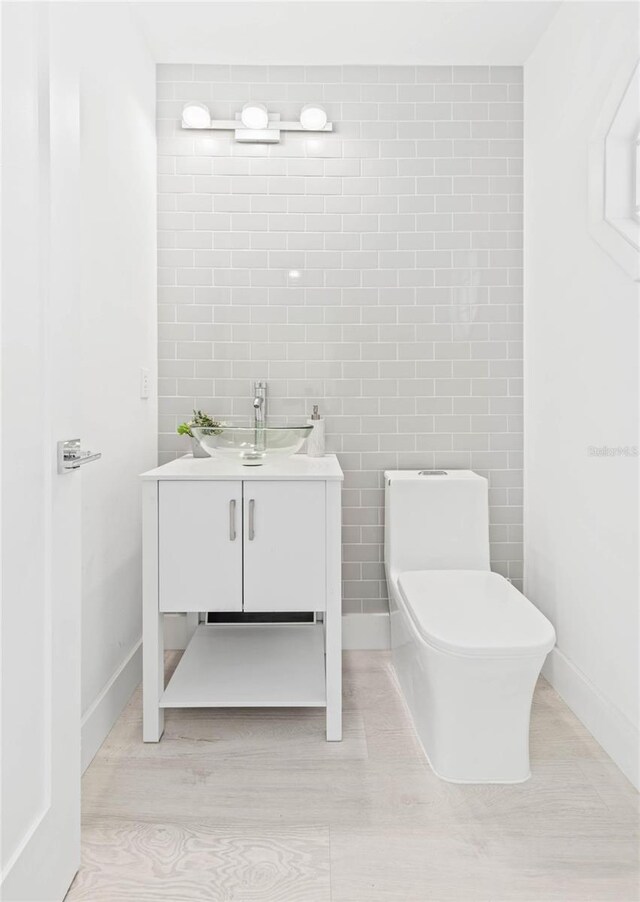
x,y
436,520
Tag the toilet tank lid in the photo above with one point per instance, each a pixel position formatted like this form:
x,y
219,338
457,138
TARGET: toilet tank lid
x,y
474,612
421,475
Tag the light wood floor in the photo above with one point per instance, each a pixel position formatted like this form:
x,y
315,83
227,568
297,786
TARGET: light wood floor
x,y
254,806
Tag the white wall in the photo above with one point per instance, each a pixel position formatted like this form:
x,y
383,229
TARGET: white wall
x,y
118,260
581,384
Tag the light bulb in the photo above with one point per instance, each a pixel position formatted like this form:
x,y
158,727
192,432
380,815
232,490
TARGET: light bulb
x,y
196,115
254,115
313,117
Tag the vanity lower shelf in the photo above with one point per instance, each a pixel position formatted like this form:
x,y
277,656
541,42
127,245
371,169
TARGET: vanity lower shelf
x,y
250,666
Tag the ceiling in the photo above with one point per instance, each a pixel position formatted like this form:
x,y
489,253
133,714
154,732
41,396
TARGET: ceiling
x,y
334,32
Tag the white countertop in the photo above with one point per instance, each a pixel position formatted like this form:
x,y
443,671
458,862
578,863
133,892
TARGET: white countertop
x,y
298,466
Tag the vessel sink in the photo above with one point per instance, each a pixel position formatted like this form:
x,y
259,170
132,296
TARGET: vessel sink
x,y
250,444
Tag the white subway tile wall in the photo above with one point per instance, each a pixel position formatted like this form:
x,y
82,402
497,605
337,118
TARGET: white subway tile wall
x,y
375,271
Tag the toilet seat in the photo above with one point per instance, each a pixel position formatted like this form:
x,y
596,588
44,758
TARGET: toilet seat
x,y
475,613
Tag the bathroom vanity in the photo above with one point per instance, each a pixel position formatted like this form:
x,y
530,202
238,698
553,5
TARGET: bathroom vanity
x,y
220,536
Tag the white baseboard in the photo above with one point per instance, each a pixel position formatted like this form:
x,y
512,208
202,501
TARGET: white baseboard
x,y
610,727
362,631
359,631
107,707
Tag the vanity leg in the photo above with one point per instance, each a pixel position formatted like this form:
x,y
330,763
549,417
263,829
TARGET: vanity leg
x,y
333,664
152,678
152,620
333,615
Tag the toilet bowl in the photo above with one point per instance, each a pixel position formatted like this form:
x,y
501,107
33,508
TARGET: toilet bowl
x,y
467,645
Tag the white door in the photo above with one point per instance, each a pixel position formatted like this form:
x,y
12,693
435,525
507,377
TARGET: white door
x,y
40,508
200,546
284,546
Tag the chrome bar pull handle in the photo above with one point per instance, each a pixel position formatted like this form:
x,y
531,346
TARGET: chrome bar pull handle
x,y
252,515
232,520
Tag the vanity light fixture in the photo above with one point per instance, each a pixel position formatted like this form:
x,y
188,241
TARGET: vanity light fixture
x,y
254,116
196,115
255,124
313,118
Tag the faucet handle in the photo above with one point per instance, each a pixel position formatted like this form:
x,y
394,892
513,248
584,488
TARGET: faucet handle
x,y
260,384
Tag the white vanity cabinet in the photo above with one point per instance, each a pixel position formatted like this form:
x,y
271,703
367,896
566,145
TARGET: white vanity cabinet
x,y
242,546
219,536
285,546
200,545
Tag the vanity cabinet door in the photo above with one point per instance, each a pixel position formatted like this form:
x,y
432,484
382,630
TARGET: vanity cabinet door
x,y
284,546
200,545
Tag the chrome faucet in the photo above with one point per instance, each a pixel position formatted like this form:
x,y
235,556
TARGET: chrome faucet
x,y
260,402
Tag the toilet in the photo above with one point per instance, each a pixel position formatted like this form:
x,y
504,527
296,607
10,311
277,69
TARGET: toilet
x,y
467,646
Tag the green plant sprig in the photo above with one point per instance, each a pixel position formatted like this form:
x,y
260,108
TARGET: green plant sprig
x,y
199,419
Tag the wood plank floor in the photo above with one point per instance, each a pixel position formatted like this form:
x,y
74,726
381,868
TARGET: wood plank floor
x,y
254,806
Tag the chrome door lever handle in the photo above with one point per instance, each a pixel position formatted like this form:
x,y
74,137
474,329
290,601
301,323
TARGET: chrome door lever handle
x,y
71,456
